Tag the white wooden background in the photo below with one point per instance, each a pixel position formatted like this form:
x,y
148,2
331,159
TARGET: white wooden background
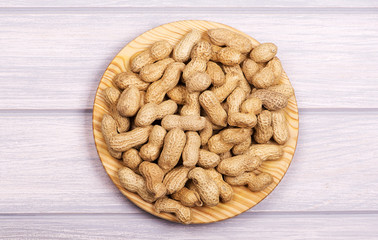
x,y
52,56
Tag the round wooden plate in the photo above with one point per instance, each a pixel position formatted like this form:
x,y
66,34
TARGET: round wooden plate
x,y
243,198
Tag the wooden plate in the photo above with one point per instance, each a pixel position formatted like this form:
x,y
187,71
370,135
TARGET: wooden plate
x,y
243,198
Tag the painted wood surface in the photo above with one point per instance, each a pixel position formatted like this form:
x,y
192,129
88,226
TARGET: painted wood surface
x,y
52,184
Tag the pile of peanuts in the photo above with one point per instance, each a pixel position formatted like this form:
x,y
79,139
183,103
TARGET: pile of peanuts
x,y
190,121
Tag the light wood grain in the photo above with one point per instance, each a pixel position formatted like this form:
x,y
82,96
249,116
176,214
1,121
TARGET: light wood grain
x,y
330,65
196,3
49,164
243,199
139,226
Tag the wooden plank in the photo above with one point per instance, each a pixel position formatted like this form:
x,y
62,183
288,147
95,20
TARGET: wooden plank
x,y
55,61
143,226
50,165
181,3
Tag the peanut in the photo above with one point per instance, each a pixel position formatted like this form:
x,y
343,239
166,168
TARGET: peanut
x,y
243,83
129,102
263,129
206,133
235,166
271,100
153,175
183,214
151,150
284,89
198,82
230,56
125,79
216,74
200,55
157,90
153,72
124,141
280,128
205,185
222,36
175,179
131,159
225,155
222,92
254,182
225,190
182,50
192,105
109,129
174,143
111,98
188,197
191,150
158,50
264,52
263,78
186,123
151,112
251,105
215,49
208,159
275,65
242,147
213,109
226,139
250,68
235,117
265,151
134,183
178,94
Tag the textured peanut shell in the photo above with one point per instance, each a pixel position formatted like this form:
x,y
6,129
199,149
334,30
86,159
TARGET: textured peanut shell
x,y
198,82
225,190
225,155
153,72
263,78
208,159
235,166
241,148
205,185
263,129
183,214
213,109
129,102
206,133
215,49
178,94
250,68
151,112
194,66
151,150
284,89
182,50
175,179
109,129
186,123
264,52
125,79
153,175
188,197
265,151
111,96
174,143
124,141
191,152
280,128
251,105
217,145
216,74
135,183
131,159
271,100
230,56
243,83
157,90
255,183
222,36
235,135
222,92
192,105
275,65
